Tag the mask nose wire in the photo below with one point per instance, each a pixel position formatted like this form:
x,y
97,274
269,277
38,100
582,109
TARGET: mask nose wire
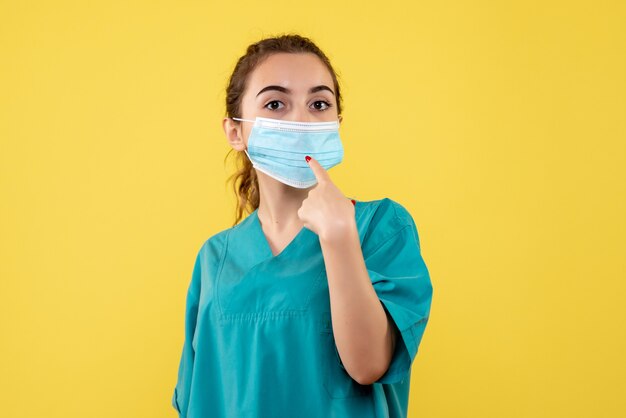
x,y
251,120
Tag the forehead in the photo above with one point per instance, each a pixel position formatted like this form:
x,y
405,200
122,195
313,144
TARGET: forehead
x,y
291,70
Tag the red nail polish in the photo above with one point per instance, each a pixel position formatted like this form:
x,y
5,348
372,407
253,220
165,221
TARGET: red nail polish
x,y
353,202
307,158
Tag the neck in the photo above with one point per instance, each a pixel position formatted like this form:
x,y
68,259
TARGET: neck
x,y
279,203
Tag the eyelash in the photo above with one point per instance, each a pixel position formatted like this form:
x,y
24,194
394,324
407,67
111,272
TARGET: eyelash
x,y
328,105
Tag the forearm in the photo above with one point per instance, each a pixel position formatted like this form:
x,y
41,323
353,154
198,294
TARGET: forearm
x,y
363,333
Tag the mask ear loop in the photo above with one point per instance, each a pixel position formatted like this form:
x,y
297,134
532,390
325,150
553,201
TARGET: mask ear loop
x,y
245,120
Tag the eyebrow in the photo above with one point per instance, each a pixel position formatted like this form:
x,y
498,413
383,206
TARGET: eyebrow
x,y
286,90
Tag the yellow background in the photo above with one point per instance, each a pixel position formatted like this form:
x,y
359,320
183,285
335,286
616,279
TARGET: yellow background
x,y
499,125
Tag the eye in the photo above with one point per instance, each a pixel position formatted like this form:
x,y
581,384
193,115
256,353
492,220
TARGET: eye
x,y
321,105
273,105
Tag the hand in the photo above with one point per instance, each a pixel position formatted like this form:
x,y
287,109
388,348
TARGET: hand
x,y
326,211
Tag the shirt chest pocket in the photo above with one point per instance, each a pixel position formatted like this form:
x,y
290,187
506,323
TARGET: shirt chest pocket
x,y
269,287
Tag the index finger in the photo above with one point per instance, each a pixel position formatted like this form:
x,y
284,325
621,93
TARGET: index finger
x,y
320,172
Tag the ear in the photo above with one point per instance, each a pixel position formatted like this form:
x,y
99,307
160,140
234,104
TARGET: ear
x,y
340,118
234,136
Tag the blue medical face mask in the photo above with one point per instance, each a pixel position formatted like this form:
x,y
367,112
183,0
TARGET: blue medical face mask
x,y
278,147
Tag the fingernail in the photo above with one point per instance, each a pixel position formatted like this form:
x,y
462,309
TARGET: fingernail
x,y
307,158
353,202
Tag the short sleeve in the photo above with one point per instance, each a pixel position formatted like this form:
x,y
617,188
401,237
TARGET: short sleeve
x,y
402,282
180,397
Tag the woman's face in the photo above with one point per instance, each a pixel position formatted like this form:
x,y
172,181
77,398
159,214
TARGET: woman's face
x,y
287,86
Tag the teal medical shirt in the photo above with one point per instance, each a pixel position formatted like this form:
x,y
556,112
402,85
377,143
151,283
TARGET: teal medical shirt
x,y
258,332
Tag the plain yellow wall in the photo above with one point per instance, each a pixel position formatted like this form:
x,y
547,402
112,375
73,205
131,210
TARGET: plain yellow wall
x,y
499,125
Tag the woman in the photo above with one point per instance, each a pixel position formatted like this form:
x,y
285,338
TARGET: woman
x,y
315,304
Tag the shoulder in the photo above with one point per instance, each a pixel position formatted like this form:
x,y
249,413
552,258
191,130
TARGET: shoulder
x,y
381,219
210,252
216,241
384,212
215,245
